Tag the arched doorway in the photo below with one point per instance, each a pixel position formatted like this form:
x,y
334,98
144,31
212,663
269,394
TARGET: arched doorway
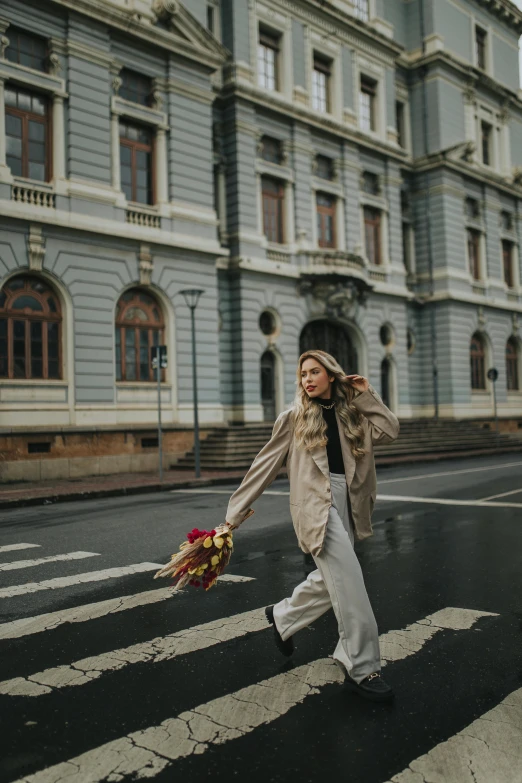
x,y
386,382
333,338
268,386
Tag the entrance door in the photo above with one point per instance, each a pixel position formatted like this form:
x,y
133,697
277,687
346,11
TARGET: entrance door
x,y
268,392
332,338
386,382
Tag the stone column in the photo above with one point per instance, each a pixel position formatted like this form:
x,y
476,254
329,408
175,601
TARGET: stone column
x,y
58,138
162,194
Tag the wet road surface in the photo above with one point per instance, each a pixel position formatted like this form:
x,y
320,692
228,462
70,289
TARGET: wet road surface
x,y
106,676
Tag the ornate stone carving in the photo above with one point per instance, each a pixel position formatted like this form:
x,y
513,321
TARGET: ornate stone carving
x,y
116,84
517,176
516,324
35,248
146,264
55,66
481,317
339,299
165,9
4,43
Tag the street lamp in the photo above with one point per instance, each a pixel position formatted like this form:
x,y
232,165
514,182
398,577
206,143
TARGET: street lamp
x,y
191,296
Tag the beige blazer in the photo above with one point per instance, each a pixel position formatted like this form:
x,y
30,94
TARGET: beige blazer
x,y
309,476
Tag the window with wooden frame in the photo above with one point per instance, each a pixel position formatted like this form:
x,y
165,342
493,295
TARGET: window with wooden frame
x,y
321,78
372,234
268,54
273,195
136,162
481,47
326,206
512,368
486,137
478,362
139,326
30,330
367,100
135,87
27,132
507,263
271,149
474,253
27,49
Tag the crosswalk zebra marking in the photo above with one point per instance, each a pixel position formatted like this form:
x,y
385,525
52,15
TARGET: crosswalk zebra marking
x,y
26,626
394,645
69,581
15,547
18,564
146,753
486,751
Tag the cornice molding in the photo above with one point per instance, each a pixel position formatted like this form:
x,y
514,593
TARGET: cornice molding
x,y
507,12
440,160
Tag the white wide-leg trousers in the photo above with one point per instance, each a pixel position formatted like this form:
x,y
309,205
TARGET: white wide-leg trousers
x,y
337,583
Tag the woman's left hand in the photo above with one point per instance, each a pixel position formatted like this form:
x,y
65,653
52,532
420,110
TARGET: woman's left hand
x,y
358,382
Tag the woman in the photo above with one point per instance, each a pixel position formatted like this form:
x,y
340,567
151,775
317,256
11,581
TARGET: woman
x,y
327,440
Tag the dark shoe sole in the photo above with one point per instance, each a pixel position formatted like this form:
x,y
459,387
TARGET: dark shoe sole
x,y
286,648
351,685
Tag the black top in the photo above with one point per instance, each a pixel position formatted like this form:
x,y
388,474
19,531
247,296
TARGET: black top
x,y
333,447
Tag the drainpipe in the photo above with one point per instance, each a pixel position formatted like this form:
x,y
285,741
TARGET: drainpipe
x,y
433,325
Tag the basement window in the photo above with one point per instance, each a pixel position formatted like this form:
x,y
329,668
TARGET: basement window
x,y
38,448
149,443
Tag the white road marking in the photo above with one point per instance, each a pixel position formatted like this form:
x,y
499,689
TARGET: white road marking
x,y
447,501
14,547
197,491
486,751
26,626
17,564
420,476
68,581
503,495
143,754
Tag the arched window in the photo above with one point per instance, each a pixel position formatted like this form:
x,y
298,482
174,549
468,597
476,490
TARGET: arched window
x,y
330,337
30,330
139,326
512,368
478,362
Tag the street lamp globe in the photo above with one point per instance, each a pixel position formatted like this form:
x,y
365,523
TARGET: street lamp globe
x,y
191,296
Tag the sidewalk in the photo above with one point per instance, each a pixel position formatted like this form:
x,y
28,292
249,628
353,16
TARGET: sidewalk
x,y
38,493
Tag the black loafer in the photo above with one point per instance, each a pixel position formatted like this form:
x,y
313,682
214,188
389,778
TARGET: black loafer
x,y
286,648
372,687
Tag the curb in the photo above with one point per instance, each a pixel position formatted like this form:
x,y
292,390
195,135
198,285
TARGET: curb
x,y
143,489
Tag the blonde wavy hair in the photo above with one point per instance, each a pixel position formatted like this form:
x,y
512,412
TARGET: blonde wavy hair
x,y
309,424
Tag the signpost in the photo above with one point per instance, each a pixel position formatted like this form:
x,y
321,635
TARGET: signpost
x,y
492,376
162,351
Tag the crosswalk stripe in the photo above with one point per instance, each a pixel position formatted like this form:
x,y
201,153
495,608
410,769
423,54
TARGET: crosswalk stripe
x,y
26,626
17,564
69,581
14,547
486,750
147,752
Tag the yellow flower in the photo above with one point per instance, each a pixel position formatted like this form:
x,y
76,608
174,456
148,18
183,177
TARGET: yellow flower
x,y
215,560
218,541
192,570
208,542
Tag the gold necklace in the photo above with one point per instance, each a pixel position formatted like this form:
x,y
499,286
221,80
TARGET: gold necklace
x,y
327,407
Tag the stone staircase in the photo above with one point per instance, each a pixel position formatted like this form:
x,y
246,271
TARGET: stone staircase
x,y
234,448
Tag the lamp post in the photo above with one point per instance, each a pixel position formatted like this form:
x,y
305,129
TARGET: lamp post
x,y
191,296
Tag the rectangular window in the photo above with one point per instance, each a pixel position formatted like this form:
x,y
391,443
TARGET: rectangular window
x,y
370,183
27,134
372,234
136,163
486,132
367,98
326,207
321,84
506,221
273,203
472,209
400,121
268,60
271,149
362,9
406,246
480,47
507,263
324,168
27,49
211,20
135,87
474,253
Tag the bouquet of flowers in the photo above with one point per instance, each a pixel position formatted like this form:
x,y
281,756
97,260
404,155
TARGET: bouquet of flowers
x,y
201,559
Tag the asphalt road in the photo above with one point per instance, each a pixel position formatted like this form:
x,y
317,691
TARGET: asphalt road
x,y
106,676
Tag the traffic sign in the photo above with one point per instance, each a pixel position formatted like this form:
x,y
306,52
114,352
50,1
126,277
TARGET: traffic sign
x,y
154,356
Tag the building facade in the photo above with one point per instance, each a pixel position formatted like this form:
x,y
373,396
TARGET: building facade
x,y
344,175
